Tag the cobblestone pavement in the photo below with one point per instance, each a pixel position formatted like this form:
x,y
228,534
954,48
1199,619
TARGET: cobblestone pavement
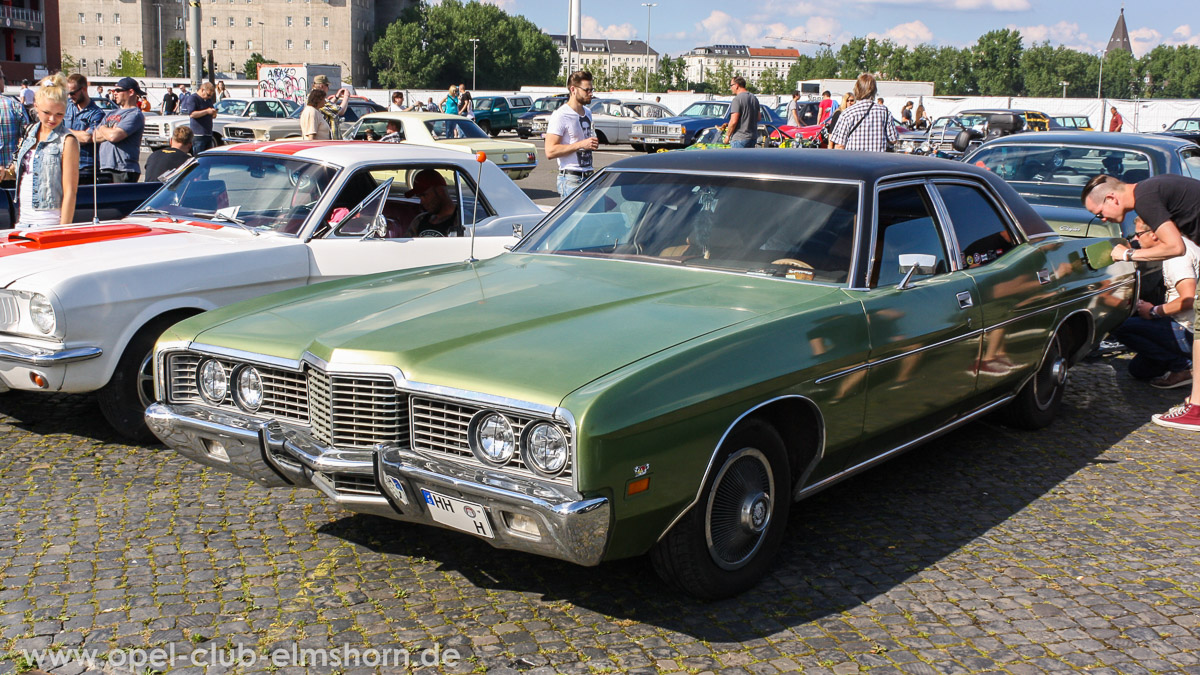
x,y
990,550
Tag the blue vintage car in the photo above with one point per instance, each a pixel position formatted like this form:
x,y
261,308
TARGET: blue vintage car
x,y
542,106
681,131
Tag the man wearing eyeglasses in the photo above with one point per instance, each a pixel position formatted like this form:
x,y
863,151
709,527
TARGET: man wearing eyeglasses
x,y
569,135
83,117
1169,204
120,134
12,125
1161,335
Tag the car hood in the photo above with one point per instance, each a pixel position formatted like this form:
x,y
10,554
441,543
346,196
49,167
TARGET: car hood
x,y
248,123
55,254
486,145
528,327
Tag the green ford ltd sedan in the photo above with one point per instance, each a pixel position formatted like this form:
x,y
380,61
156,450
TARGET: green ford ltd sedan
x,y
684,348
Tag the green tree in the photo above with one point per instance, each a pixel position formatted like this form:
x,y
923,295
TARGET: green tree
x,y
718,78
69,65
996,63
771,82
130,65
250,68
429,46
175,58
671,74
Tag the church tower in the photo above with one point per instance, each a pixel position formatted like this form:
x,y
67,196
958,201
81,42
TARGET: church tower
x,y
1120,36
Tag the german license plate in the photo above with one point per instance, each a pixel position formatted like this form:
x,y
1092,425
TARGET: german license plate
x,y
466,516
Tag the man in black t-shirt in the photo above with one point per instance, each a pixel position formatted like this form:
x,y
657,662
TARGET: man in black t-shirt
x,y
169,159
170,102
1170,205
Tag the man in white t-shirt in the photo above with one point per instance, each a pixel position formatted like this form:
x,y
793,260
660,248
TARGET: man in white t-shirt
x,y
569,135
1161,335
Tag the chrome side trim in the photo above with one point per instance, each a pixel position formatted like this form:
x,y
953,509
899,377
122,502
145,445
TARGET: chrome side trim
x,y
41,357
713,458
802,493
1065,302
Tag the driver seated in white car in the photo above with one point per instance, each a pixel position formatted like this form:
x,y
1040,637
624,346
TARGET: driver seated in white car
x,y
440,215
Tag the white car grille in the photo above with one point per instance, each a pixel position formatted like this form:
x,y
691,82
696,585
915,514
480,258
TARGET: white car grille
x,y
10,311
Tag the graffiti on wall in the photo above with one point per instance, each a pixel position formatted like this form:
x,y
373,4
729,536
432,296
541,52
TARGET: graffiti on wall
x,y
283,82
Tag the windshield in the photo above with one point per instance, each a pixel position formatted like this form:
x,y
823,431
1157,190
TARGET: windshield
x,y
970,120
548,104
454,128
1185,125
780,228
705,109
231,106
274,193
1055,175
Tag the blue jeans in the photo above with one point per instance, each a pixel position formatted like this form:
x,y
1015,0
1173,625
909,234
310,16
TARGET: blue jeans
x,y
1160,345
567,183
201,143
742,143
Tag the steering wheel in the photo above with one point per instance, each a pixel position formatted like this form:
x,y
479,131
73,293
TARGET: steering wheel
x,y
300,179
430,233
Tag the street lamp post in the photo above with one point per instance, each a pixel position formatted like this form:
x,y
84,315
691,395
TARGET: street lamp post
x,y
646,63
474,51
1064,84
262,40
1100,82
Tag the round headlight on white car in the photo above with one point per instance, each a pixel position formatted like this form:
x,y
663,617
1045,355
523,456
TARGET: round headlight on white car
x,y
214,384
41,312
492,438
249,392
545,448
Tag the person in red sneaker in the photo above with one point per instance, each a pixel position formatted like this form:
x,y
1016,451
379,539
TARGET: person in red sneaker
x,y
1170,206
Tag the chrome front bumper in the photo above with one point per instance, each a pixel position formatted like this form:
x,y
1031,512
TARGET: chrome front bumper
x,y
41,357
387,481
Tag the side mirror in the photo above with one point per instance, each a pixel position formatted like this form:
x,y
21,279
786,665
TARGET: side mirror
x,y
916,263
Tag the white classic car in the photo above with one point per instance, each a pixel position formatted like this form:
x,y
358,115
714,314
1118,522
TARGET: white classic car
x,y
612,117
158,130
81,305
516,158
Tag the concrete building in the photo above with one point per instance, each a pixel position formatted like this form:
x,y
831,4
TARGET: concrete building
x,y
29,46
749,62
602,55
338,32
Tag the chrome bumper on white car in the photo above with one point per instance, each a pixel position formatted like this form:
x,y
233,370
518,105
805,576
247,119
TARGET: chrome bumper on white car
x,y
507,511
41,357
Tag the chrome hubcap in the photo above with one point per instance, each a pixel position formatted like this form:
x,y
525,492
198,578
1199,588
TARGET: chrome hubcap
x,y
738,510
145,381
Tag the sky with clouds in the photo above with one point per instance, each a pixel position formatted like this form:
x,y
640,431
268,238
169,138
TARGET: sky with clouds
x,y
677,26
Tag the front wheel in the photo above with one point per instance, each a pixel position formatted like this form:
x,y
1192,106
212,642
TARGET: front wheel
x,y
1038,402
638,147
124,400
726,543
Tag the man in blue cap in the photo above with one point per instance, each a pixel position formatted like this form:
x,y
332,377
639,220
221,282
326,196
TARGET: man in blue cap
x,y
120,135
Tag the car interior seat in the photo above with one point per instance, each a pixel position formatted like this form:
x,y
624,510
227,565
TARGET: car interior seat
x,y
205,195
1135,175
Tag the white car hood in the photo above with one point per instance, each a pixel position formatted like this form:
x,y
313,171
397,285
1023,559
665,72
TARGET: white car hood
x,y
47,257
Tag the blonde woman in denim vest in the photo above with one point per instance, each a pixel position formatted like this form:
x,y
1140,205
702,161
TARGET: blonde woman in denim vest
x,y
47,165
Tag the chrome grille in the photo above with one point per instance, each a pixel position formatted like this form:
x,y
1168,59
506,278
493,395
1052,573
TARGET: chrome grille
x,y
10,312
238,132
353,484
358,411
283,391
440,426
651,129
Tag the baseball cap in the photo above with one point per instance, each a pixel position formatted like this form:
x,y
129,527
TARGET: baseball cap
x,y
426,178
321,79
127,83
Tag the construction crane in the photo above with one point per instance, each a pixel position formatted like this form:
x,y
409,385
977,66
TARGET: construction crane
x,y
805,40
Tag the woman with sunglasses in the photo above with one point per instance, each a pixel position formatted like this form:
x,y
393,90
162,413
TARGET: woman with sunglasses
x,y
47,164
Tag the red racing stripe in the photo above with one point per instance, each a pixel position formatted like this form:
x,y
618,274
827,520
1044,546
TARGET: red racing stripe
x,y
26,241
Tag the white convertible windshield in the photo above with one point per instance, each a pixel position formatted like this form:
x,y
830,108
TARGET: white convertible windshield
x,y
272,192
783,228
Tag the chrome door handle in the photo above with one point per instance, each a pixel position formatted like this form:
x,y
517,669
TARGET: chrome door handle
x,y
964,300
1043,277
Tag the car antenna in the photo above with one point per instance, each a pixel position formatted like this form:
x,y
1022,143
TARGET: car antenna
x,y
95,165
480,157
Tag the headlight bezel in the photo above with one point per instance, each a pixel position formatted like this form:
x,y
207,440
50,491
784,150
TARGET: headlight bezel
x,y
239,396
203,388
21,307
44,304
528,455
476,429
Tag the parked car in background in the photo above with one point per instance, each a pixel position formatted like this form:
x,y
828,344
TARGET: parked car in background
x,y
664,365
681,131
158,131
1049,170
494,114
1080,122
1187,128
613,118
83,305
515,158
546,104
274,130
808,111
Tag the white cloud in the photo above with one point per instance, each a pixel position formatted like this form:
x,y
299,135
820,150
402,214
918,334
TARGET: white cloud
x,y
506,5
1143,40
721,28
1065,33
592,29
1182,32
958,5
909,34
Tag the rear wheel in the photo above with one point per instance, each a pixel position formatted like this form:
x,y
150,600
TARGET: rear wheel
x,y
726,543
124,400
486,126
650,148
638,147
601,137
1038,402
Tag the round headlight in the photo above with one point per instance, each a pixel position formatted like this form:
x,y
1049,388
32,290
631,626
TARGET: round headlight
x,y
492,438
545,448
41,312
249,388
214,384
266,135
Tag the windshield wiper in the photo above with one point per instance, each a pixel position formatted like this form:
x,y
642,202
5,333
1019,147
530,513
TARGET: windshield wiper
x,y
157,212
228,215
